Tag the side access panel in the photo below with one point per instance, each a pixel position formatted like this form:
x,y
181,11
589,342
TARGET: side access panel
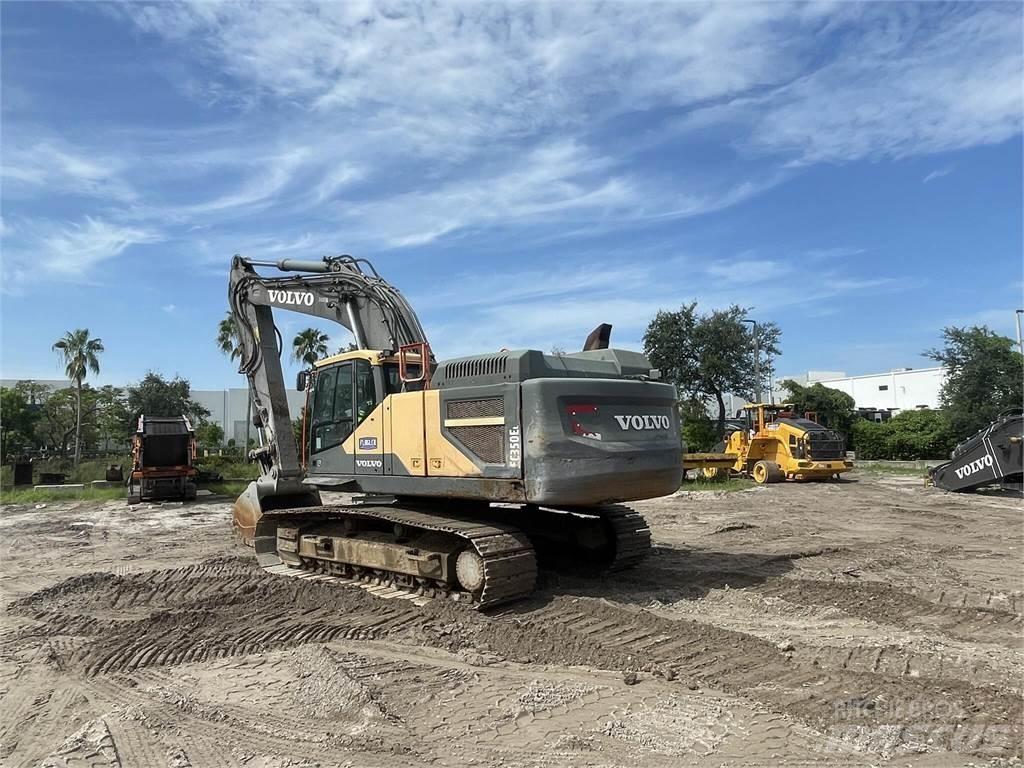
x,y
404,449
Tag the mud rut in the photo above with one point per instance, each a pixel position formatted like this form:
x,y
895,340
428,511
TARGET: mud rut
x,y
415,683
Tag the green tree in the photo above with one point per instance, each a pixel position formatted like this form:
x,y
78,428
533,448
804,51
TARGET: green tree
x,y
833,407
33,391
80,355
350,347
710,355
209,435
984,376
113,422
309,345
58,418
227,337
18,419
297,429
698,430
157,396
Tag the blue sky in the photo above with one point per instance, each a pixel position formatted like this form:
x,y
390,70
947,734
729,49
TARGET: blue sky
x,y
521,172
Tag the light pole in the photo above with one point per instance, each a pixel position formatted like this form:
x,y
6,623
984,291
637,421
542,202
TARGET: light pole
x,y
1020,341
757,359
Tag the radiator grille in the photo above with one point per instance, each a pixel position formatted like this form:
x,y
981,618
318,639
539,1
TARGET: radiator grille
x,y
477,366
473,409
486,442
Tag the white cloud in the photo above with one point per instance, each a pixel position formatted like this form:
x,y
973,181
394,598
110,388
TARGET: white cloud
x,y
894,82
836,252
937,174
33,168
168,308
900,84
73,249
395,126
538,311
478,69
748,270
66,251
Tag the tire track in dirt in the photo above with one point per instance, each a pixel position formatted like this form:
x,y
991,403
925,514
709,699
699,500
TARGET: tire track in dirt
x,y
205,612
825,697
883,603
227,609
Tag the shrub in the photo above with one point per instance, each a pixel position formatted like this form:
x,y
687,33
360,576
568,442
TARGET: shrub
x,y
911,435
869,439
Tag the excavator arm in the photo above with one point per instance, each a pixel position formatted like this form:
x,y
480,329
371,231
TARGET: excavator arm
x,y
342,289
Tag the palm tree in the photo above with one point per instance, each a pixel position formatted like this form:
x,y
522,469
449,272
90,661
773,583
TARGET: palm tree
x,y
227,337
309,345
80,355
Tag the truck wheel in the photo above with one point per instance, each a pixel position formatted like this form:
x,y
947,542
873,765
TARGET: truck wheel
x,y
767,472
190,491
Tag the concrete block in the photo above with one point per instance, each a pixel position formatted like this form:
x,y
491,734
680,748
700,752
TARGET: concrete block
x,y
66,488
105,484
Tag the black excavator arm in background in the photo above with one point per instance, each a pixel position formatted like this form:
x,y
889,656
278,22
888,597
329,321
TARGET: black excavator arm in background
x,y
342,289
993,456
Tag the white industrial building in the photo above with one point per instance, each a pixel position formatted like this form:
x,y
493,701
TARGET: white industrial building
x,y
901,389
229,409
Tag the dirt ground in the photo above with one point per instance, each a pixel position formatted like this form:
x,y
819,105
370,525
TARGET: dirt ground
x,y
870,622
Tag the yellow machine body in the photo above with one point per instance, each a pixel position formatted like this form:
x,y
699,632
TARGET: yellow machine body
x,y
777,447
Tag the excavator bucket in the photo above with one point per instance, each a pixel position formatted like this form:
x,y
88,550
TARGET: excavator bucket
x,y
256,500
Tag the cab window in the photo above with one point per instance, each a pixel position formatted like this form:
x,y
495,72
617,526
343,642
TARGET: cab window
x,y
332,408
366,390
392,383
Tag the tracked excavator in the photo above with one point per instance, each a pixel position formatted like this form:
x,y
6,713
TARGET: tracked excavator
x,y
462,472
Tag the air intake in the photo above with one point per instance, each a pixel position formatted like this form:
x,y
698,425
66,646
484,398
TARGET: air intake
x,y
476,366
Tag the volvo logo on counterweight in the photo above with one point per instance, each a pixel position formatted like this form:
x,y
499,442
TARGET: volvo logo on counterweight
x,y
644,422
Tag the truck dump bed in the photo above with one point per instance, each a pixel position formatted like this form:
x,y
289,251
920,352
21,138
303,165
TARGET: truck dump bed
x,y
166,441
162,453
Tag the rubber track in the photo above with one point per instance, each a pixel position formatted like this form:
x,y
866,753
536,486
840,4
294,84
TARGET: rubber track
x,y
510,565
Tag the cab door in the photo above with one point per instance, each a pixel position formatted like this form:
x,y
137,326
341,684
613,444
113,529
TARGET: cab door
x,y
331,421
368,438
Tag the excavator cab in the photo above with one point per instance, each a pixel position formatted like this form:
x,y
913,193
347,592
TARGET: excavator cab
x,y
347,429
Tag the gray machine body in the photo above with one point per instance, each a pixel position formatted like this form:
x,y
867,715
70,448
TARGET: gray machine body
x,y
577,430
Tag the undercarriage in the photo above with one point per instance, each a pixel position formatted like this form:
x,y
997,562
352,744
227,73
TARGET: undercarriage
x,y
474,554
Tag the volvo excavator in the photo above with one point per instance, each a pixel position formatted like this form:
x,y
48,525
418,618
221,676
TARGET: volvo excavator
x,y
462,472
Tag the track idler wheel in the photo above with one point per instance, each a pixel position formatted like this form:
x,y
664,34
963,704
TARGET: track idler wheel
x,y
469,570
